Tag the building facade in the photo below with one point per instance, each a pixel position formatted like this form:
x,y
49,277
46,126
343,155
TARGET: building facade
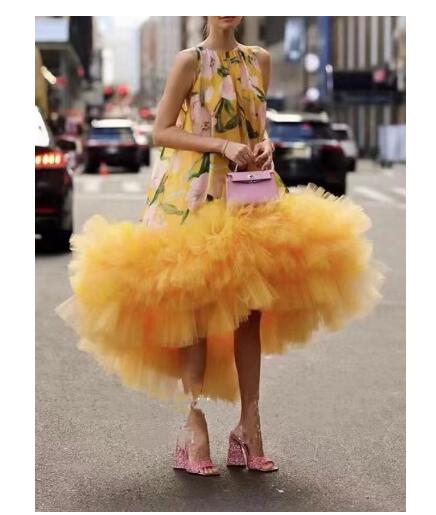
x,y
160,40
369,60
354,65
66,48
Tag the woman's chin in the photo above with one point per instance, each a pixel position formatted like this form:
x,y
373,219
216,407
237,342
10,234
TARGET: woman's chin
x,y
230,22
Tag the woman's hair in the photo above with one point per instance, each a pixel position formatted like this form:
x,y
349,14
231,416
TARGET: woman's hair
x,y
206,28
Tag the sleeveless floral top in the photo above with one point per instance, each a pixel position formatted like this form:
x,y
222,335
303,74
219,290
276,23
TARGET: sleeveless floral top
x,y
227,100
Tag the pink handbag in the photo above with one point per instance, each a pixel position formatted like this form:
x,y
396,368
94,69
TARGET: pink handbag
x,y
250,187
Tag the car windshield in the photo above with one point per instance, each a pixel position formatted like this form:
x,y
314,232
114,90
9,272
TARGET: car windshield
x,y
299,131
341,134
111,133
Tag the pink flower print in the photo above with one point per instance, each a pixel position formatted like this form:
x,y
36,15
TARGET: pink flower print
x,y
201,119
245,79
210,64
227,88
208,94
197,191
254,80
217,186
158,171
152,218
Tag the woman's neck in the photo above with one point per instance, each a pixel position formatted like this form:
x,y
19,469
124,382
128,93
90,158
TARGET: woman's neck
x,y
220,40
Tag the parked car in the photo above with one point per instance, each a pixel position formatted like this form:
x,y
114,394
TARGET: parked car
x,y
53,188
344,135
112,141
142,132
72,146
307,151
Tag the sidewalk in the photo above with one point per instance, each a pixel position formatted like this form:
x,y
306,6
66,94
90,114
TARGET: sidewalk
x,y
373,166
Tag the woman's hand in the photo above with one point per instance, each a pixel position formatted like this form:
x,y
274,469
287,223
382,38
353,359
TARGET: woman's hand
x,y
263,154
239,153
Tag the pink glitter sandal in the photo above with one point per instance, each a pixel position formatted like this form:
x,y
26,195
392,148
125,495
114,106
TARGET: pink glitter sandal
x,y
239,456
182,462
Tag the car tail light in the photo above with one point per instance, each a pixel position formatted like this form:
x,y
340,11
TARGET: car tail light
x,y
53,159
332,148
45,210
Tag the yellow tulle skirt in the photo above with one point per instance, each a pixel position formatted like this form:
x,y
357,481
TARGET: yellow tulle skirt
x,y
141,294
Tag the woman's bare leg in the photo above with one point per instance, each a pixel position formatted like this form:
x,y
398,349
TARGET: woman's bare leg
x,y
248,358
194,364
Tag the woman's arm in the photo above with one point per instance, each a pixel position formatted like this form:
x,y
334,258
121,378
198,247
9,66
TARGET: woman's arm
x,y
177,88
264,60
264,149
167,134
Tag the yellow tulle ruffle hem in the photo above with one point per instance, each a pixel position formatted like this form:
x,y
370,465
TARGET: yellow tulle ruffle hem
x,y
140,294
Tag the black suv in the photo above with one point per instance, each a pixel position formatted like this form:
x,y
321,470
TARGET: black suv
x,y
53,188
307,151
112,141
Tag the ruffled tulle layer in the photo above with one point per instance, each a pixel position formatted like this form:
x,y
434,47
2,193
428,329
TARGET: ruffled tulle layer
x,y
141,294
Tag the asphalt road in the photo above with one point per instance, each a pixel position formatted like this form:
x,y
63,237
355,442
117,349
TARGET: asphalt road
x,y
333,414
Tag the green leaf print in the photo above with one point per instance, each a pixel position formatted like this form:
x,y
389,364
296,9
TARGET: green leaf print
x,y
190,173
251,132
185,216
171,209
204,166
232,123
219,126
228,107
261,94
160,189
223,71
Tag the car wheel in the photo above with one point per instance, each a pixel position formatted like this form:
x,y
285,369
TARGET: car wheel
x,y
337,190
134,168
146,158
61,240
91,168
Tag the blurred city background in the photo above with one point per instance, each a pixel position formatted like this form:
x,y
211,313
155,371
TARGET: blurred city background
x,y
353,66
337,116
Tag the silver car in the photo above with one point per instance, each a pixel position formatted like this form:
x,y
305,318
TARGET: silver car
x,y
345,137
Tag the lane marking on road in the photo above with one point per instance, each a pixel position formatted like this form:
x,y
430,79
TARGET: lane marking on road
x,y
131,187
91,185
373,194
109,196
378,204
400,191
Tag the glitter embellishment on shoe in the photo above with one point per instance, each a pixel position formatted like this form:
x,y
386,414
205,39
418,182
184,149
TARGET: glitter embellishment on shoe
x,y
239,456
182,462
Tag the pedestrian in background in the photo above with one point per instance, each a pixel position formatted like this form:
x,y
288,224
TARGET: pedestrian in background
x,y
182,304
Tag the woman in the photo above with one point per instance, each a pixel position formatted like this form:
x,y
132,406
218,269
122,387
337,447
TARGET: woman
x,y
182,305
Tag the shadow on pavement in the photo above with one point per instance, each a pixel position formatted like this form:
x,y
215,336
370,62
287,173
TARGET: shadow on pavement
x,y
238,490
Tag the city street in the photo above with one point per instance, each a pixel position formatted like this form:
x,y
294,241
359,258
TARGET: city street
x,y
333,414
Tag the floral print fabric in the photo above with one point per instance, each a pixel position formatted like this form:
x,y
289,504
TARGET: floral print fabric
x,y
227,101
